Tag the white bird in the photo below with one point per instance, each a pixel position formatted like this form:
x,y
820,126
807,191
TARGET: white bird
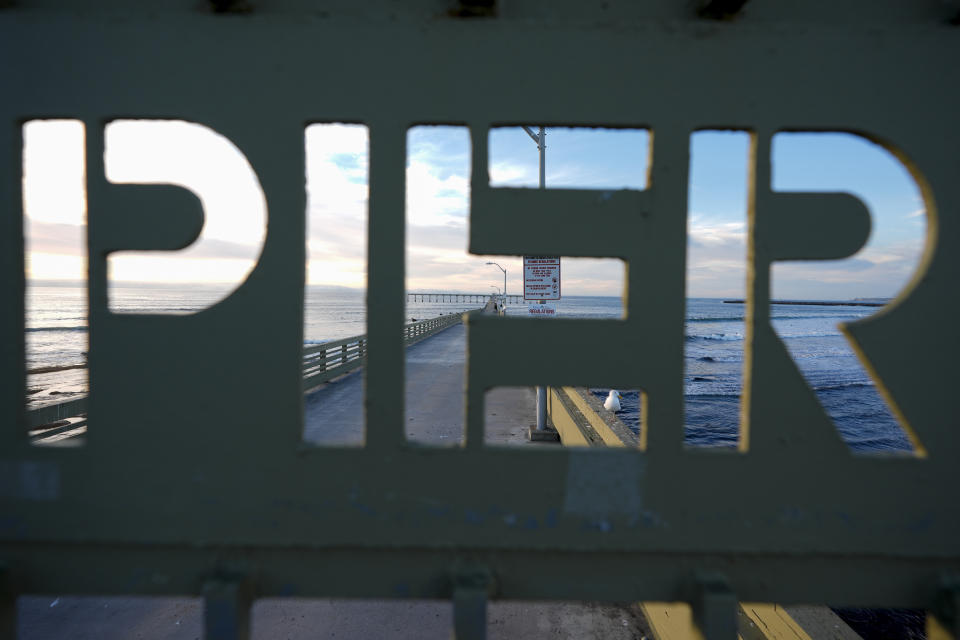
x,y
612,403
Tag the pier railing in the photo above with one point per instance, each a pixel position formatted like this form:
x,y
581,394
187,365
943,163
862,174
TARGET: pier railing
x,y
58,419
329,360
461,297
321,363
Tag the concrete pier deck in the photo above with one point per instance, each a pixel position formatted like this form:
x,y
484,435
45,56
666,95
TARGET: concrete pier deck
x,y
434,414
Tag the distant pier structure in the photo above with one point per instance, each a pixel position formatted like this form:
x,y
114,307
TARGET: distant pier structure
x,y
460,297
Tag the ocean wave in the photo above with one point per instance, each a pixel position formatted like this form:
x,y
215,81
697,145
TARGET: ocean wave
x,y
148,310
711,394
721,337
773,317
844,385
57,329
732,337
55,368
831,316
716,319
807,334
893,442
716,358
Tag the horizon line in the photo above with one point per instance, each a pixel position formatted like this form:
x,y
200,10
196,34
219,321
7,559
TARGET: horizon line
x,y
147,285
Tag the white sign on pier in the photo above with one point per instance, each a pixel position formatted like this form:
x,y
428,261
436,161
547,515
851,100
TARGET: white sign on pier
x,y
541,277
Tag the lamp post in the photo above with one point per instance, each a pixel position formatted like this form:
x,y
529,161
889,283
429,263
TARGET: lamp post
x,y
496,287
504,278
541,139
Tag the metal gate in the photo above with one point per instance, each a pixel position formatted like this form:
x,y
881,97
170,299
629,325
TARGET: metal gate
x,y
155,504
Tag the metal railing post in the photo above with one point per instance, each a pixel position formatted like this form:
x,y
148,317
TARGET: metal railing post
x,y
226,613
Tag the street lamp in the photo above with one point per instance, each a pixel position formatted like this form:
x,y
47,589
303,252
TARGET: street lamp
x,y
496,287
504,278
541,139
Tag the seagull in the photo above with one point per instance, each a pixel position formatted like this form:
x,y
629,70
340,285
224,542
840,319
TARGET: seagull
x,y
612,403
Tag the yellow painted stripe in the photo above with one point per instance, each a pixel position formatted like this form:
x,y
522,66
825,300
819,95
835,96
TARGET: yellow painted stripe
x,y
936,630
670,620
674,621
609,438
773,621
563,422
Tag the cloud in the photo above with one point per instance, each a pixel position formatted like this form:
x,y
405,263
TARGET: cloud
x,y
508,174
716,256
432,199
876,271
53,165
349,163
55,238
716,234
446,149
337,201
437,213
447,236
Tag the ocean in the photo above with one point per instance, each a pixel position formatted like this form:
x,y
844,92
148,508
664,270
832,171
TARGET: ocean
x,y
57,342
713,373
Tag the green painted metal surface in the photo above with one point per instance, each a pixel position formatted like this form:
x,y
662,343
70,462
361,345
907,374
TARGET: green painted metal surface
x,y
205,486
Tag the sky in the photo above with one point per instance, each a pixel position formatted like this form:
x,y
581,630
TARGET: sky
x,y
437,206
